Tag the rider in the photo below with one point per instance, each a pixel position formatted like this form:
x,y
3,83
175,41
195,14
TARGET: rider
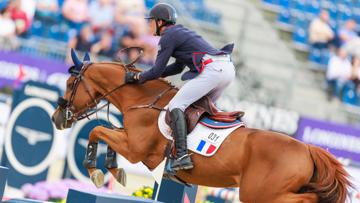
x,y
211,71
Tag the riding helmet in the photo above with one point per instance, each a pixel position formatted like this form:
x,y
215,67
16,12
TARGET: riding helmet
x,y
163,11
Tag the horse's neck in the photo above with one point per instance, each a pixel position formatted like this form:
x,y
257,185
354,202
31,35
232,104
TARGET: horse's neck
x,y
109,76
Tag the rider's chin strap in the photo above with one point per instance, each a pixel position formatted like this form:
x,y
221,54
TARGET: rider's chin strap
x,y
158,27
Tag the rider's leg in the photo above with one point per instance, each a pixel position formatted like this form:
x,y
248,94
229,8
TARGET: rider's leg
x,y
217,75
212,82
228,77
179,127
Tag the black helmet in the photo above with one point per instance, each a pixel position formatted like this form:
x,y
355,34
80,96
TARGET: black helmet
x,y
163,11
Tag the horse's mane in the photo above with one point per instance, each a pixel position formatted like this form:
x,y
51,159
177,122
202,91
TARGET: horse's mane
x,y
167,82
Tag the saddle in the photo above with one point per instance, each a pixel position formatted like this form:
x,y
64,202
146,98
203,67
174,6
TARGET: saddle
x,y
205,107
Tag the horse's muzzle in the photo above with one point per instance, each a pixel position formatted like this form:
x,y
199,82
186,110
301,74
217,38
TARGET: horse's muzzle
x,y
60,121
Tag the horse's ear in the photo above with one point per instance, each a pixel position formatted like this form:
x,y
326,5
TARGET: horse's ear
x,y
78,64
87,57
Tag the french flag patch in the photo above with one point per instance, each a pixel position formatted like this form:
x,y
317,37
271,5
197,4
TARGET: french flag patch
x,y
206,147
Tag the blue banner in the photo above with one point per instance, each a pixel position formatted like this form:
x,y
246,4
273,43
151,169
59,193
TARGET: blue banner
x,y
30,136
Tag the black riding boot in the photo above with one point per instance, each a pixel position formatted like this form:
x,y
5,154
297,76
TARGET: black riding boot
x,y
179,128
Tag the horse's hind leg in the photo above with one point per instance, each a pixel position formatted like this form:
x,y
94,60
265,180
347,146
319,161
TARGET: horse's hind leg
x,y
111,164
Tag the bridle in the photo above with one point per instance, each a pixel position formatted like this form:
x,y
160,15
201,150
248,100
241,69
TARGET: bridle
x,y
66,106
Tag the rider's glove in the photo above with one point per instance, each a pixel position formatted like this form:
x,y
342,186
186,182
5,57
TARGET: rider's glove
x,y
132,77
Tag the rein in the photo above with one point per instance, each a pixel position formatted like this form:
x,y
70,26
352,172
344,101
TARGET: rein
x,y
66,105
152,104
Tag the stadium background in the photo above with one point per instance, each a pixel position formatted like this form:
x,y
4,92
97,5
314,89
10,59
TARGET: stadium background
x,y
281,77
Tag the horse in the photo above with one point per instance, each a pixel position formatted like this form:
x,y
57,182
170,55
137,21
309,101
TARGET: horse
x,y
269,167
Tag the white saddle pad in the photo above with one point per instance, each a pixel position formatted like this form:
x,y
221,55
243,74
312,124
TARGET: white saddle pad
x,y
202,140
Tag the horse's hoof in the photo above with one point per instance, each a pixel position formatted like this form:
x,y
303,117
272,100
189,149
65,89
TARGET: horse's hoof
x,y
121,176
97,177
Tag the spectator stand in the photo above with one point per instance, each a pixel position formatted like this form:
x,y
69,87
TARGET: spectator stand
x,y
49,34
195,14
295,16
196,9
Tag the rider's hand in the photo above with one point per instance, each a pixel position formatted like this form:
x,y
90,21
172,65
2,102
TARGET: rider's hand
x,y
132,77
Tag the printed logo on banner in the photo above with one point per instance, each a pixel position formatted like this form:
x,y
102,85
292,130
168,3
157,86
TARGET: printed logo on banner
x,y
17,68
30,136
23,139
263,117
13,71
33,136
78,142
341,140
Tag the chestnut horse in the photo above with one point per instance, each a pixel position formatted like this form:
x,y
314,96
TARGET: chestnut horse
x,y
269,167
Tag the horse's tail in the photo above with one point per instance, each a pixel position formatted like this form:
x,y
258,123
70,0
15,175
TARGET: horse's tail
x,y
330,181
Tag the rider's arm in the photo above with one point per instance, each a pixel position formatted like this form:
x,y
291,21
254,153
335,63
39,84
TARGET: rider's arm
x,y
167,45
173,69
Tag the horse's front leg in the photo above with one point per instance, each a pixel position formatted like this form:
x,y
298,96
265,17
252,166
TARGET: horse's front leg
x,y
96,175
111,164
117,142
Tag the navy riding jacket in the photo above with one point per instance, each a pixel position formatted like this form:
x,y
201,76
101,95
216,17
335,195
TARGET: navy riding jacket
x,y
187,48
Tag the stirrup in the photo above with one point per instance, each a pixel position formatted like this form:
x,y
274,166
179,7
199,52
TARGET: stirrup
x,y
183,157
176,164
